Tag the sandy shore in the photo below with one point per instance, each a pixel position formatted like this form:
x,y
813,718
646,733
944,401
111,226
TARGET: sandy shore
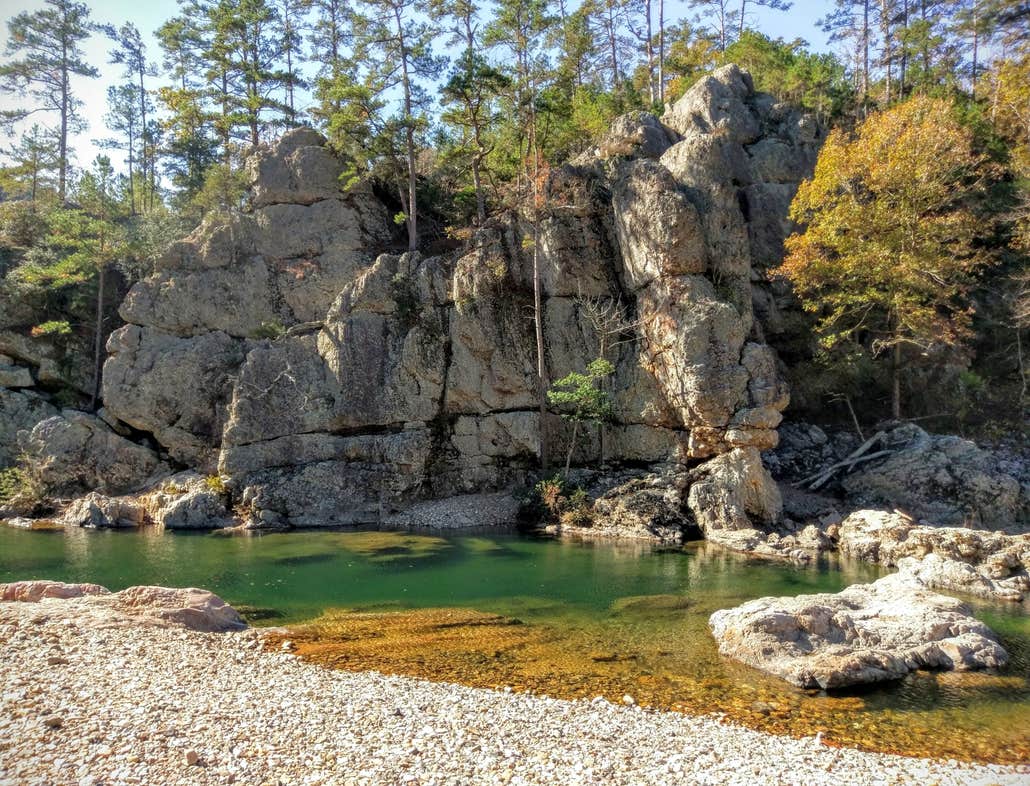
x,y
90,697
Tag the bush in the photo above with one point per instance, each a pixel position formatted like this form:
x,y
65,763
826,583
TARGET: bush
x,y
215,484
556,501
20,491
272,330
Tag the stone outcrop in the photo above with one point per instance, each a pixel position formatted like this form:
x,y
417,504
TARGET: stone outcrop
x,y
74,453
20,410
190,608
329,383
943,479
987,564
866,633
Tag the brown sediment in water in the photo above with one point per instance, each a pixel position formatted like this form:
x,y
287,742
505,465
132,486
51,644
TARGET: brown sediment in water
x,y
571,661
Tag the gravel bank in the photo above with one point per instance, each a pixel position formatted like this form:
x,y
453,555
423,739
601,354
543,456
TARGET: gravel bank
x,y
88,696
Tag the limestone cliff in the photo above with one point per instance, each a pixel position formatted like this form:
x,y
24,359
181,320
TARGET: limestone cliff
x,y
331,383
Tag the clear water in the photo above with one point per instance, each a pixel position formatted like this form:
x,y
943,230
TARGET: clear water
x,y
596,619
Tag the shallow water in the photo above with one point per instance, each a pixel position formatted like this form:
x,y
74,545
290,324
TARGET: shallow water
x,y
566,619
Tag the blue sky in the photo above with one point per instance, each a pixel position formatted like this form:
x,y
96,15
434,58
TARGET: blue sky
x,y
148,15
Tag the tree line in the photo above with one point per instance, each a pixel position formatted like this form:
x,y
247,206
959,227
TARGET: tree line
x,y
459,109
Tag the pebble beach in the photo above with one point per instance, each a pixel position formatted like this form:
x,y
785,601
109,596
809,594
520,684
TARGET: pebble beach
x,y
92,697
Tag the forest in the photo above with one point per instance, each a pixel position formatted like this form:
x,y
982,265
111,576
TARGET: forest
x,y
915,228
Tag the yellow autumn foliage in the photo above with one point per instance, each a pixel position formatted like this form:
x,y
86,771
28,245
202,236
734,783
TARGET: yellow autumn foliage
x,y
890,230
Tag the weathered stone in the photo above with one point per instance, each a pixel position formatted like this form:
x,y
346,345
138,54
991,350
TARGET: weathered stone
x,y
717,104
35,591
74,453
95,511
174,388
944,479
19,411
866,633
15,377
193,609
635,135
988,564
189,501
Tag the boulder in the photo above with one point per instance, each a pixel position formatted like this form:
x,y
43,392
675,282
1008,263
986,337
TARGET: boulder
x,y
987,564
35,591
193,609
75,453
20,410
650,507
189,501
15,377
943,479
96,511
866,633
175,388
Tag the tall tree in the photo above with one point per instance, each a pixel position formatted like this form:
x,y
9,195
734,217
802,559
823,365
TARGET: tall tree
x,y
291,18
131,52
34,159
521,28
471,90
46,47
723,16
891,234
774,5
190,148
329,38
123,117
393,41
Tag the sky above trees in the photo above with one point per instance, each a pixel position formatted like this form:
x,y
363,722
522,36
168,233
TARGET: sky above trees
x,y
798,22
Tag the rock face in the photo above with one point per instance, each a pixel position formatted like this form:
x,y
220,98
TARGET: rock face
x,y
20,410
331,384
866,633
987,564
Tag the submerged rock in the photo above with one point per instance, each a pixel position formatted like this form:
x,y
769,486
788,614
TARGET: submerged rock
x,y
866,633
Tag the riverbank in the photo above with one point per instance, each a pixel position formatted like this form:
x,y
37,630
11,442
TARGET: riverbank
x,y
94,697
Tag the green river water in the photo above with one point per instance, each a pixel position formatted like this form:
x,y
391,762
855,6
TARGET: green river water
x,y
595,619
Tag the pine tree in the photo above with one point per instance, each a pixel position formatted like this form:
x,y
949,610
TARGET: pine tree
x,y
131,52
521,27
123,117
394,45
470,91
34,159
46,45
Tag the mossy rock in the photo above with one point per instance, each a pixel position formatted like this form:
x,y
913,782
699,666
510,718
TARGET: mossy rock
x,y
651,604
388,547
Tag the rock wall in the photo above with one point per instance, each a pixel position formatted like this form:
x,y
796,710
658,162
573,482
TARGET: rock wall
x,y
331,383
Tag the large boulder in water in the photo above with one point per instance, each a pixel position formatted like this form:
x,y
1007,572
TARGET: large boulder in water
x,y
987,564
864,634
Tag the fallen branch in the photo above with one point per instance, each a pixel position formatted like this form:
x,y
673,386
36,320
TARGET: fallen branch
x,y
856,457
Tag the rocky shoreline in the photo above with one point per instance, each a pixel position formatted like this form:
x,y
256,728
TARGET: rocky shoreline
x,y
89,695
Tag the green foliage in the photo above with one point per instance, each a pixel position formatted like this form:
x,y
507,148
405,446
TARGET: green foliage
x,y
555,500
892,233
215,484
790,72
581,399
20,490
578,396
54,328
269,330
